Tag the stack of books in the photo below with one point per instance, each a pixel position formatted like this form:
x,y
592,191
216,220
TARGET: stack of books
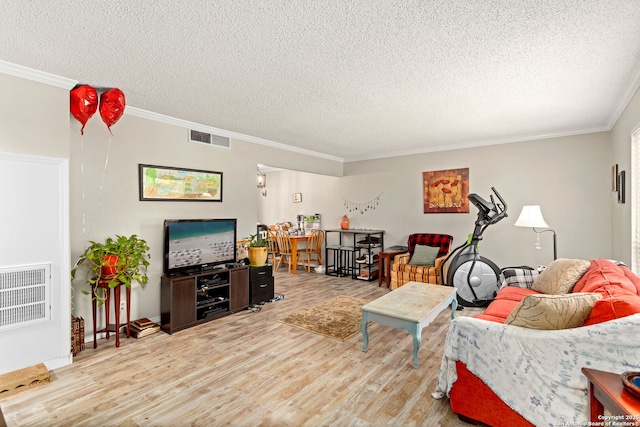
x,y
369,272
143,327
77,335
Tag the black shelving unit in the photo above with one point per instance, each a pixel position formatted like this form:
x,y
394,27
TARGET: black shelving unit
x,y
353,243
212,296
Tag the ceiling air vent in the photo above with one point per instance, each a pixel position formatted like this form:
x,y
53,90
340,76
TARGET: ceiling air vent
x,y
207,138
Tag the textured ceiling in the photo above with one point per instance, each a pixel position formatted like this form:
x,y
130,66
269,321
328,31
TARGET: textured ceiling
x,y
352,79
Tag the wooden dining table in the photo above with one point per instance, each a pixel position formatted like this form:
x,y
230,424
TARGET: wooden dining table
x,y
294,251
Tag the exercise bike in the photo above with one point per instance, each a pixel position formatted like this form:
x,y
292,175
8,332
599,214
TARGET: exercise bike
x,y
475,277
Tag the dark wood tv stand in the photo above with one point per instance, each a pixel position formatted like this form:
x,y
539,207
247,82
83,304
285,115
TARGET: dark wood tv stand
x,y
189,300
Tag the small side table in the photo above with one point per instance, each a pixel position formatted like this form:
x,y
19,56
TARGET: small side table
x,y
385,273
104,284
607,392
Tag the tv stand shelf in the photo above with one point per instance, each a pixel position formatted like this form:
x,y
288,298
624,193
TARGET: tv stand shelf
x,y
191,299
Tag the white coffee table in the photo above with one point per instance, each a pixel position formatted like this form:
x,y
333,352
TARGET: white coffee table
x,y
412,307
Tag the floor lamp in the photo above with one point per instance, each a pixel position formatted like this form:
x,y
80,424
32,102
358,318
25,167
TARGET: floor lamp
x,y
531,217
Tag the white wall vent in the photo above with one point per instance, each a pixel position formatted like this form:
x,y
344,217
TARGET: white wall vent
x,y
208,138
25,295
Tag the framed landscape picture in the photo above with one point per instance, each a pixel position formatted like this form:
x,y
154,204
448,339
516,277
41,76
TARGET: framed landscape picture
x,y
446,191
164,183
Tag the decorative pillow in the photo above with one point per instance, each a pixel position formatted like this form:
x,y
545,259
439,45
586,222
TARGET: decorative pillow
x,y
602,273
518,276
552,312
560,276
515,293
424,255
631,276
501,308
616,303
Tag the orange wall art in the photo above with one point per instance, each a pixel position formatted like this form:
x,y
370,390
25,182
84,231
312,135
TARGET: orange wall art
x,y
446,191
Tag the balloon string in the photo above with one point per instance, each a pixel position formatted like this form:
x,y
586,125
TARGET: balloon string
x,y
100,191
104,174
84,212
104,171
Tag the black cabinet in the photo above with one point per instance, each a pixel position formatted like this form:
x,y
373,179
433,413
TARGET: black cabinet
x,y
260,284
188,300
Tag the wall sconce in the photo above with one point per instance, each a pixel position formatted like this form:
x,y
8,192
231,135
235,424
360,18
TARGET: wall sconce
x,y
531,216
262,179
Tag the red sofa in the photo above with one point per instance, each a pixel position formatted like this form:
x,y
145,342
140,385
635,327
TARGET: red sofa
x,y
619,291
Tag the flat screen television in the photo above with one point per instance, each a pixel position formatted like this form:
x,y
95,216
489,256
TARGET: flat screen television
x,y
195,245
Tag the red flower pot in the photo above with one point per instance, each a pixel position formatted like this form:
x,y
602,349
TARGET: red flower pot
x,y
110,265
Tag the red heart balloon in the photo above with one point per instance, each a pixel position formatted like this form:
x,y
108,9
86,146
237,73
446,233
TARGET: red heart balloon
x,y
83,103
112,105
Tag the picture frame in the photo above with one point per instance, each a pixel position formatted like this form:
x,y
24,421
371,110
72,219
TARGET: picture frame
x,y
621,187
166,183
297,197
614,178
446,191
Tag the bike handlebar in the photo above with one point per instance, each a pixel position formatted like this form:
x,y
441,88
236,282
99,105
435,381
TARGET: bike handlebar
x,y
504,204
489,212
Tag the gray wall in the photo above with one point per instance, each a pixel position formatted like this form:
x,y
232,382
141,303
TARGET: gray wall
x,y
34,118
621,134
34,219
568,177
105,200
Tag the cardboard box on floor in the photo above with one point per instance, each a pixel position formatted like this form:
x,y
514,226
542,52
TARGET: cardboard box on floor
x,y
23,379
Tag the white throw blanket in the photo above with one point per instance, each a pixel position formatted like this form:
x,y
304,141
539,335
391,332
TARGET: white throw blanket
x,y
538,373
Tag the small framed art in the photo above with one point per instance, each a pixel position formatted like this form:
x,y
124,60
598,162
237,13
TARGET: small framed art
x,y
621,187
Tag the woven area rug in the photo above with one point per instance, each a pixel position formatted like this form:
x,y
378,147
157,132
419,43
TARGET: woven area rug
x,y
337,318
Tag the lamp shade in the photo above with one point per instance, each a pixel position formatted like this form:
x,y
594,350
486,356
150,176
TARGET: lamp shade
x,y
531,217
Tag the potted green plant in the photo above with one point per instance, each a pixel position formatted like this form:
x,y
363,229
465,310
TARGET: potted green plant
x,y
257,250
119,260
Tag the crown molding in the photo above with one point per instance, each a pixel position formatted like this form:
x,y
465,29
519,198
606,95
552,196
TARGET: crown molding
x,y
632,88
65,83
149,115
36,75
482,143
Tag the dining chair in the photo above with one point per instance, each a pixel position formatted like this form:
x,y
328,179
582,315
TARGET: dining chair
x,y
314,248
272,248
284,247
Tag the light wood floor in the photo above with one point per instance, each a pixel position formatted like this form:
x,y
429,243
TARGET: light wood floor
x,y
248,369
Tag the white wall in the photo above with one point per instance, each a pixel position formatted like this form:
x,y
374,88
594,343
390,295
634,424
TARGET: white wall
x,y
319,193
34,229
